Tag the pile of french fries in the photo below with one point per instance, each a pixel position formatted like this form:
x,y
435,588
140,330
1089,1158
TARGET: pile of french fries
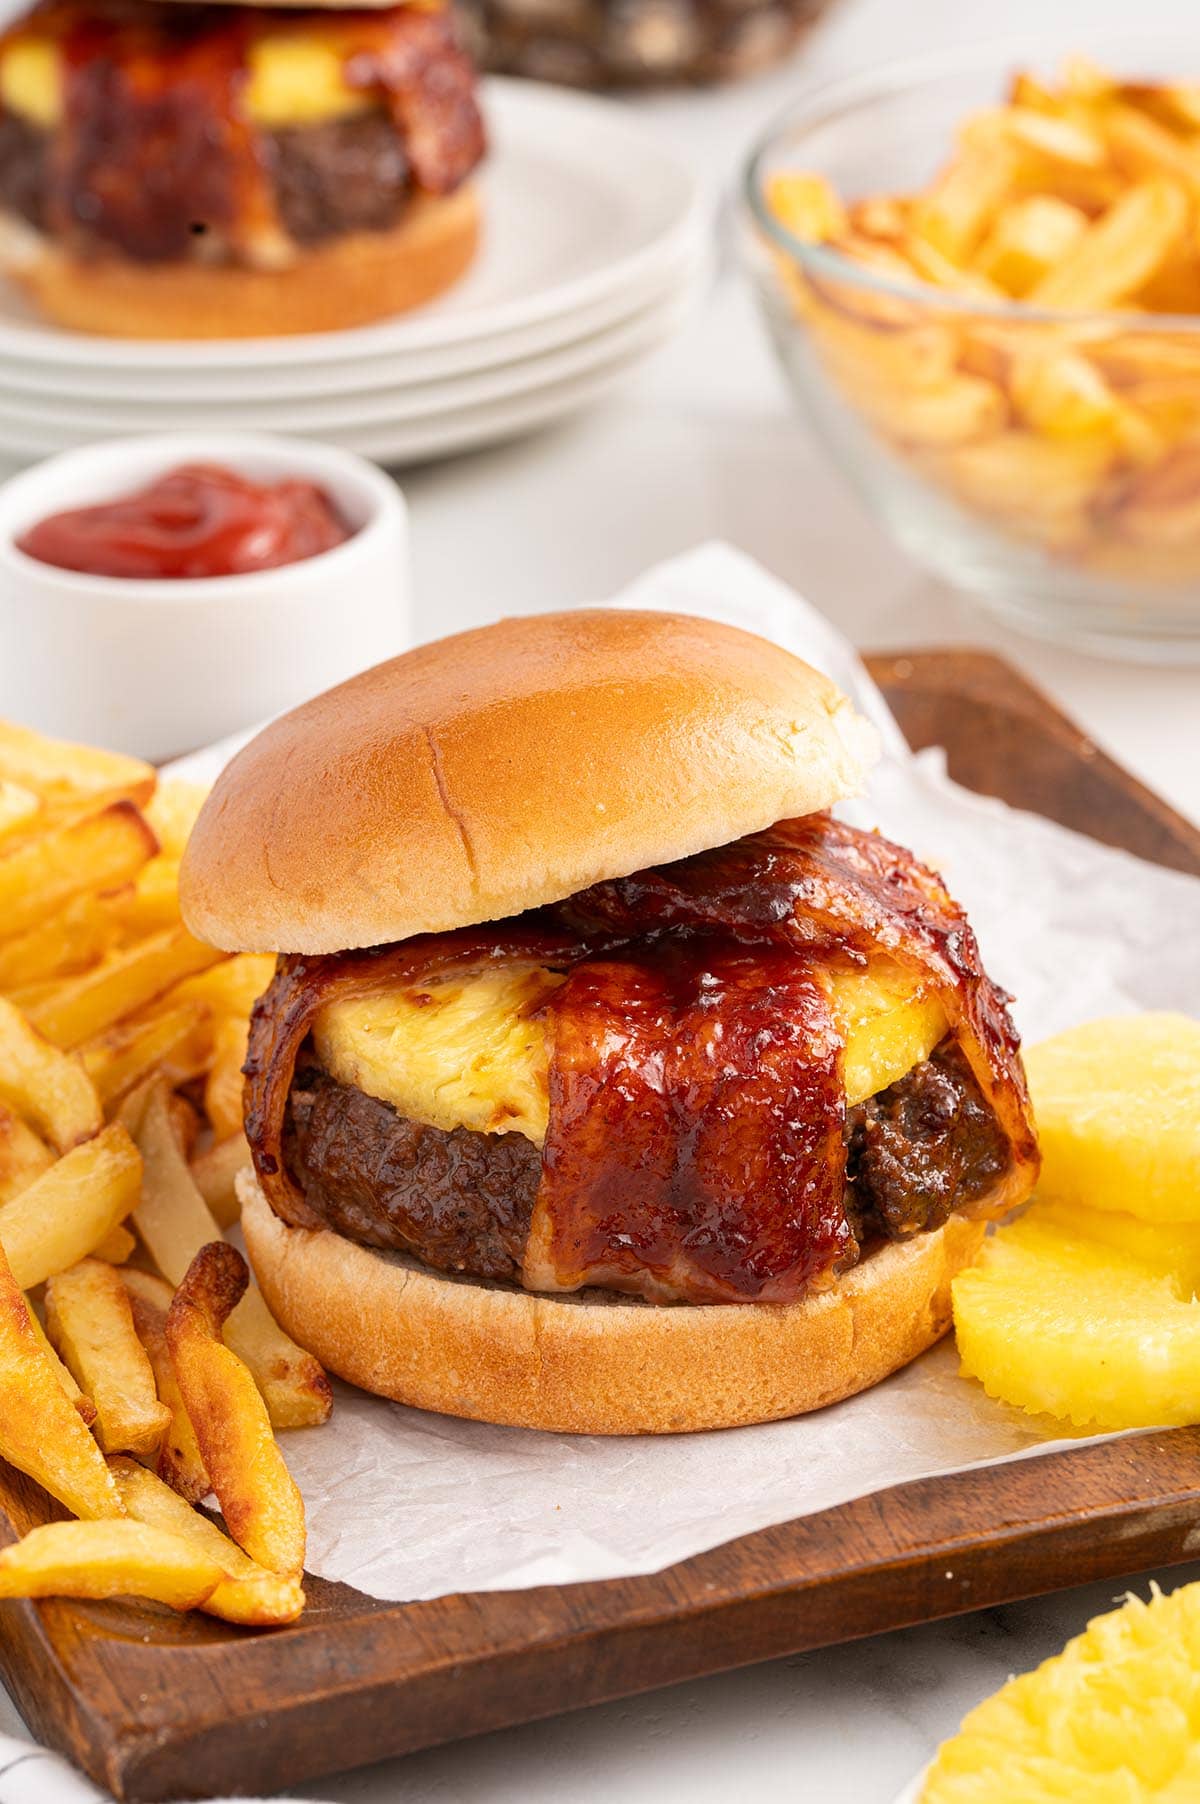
x,y
140,1370
1081,433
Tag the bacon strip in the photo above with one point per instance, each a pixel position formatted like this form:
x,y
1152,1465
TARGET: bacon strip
x,y
695,1146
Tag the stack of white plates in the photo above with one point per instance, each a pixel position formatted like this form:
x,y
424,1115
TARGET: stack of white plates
x,y
596,241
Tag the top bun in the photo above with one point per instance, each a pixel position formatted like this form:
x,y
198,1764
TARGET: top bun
x,y
509,767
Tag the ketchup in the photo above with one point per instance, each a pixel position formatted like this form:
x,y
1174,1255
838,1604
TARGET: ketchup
x,y
197,520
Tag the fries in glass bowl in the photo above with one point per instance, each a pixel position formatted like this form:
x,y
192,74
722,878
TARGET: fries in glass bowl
x,y
982,276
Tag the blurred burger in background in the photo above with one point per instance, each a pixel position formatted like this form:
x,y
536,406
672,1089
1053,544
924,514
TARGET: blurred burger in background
x,y
179,171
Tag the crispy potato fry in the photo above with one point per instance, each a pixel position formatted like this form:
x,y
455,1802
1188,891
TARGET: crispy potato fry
x,y
58,771
19,807
1162,506
70,1390
172,812
231,987
41,1431
90,1325
120,1057
23,1156
880,216
1028,238
962,409
919,359
1053,136
259,1500
185,1124
109,1559
175,1222
126,980
154,901
76,936
954,214
63,1215
214,1173
180,1462
223,1091
98,851
116,1247
1120,252
249,1594
1139,146
1062,394
48,1087
806,206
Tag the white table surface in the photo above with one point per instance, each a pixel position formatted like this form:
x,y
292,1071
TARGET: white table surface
x,y
702,443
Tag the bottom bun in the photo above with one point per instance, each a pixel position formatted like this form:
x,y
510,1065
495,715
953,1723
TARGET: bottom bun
x,y
592,1362
348,281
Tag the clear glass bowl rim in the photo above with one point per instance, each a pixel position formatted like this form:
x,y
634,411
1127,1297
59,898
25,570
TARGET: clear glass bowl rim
x,y
820,105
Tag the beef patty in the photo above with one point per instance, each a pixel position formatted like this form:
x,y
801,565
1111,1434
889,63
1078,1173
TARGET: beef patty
x,y
346,175
461,1201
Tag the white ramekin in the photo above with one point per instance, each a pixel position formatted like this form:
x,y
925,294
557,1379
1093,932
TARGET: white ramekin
x,y
160,667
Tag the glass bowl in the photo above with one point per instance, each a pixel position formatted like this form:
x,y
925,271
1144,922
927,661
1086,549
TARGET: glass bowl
x,y
1084,528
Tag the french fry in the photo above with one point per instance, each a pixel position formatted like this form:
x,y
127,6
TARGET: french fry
x,y
121,1056
99,851
224,1087
1162,507
19,807
231,987
185,1123
123,982
154,901
116,1247
1054,136
180,1463
57,770
23,1156
1139,146
919,359
1062,394
64,1214
172,811
259,1500
76,936
84,1405
954,214
48,1087
41,1431
108,1559
806,206
214,1173
963,409
175,1223
1120,252
1028,238
248,1594
90,1325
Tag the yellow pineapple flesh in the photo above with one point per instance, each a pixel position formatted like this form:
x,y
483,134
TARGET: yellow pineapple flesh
x,y
1113,1719
1064,1322
1117,1103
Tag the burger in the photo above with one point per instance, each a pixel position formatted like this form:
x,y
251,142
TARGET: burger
x,y
179,171
607,1082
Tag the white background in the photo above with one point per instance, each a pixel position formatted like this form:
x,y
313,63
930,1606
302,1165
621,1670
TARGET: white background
x,y
702,444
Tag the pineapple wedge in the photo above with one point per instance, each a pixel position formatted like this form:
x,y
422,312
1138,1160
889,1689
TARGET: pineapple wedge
x,y
1117,1104
1065,1322
1109,1720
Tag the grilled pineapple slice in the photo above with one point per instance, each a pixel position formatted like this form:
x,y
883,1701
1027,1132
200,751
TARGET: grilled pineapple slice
x,y
1064,1322
1112,1719
1117,1104
471,1051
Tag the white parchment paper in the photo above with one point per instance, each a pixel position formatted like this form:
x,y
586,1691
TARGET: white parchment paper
x,y
405,1505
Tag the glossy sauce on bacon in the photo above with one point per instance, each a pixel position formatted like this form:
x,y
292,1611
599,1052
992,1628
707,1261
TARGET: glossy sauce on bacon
x,y
695,1146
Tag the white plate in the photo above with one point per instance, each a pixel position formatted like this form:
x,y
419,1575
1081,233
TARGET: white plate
x,y
579,205
405,442
378,406
27,380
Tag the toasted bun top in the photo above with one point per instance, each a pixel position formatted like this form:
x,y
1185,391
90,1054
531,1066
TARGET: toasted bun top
x,y
509,767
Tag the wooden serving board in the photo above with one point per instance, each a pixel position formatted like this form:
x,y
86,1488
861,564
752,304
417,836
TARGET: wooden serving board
x,y
157,1706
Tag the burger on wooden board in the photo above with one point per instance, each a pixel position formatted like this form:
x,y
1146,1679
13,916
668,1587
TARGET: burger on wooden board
x,y
194,171
608,1082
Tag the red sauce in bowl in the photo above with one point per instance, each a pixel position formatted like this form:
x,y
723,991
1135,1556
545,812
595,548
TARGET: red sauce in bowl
x,y
198,520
